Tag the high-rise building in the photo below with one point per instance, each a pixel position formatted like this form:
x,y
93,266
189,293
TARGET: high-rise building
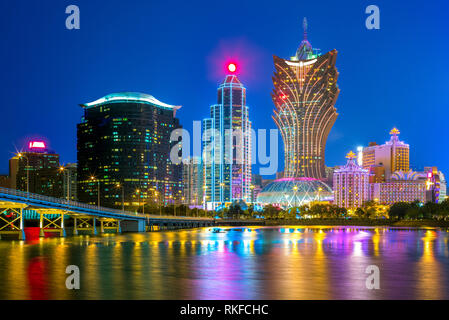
x,y
124,150
304,94
351,185
37,170
192,181
227,147
393,155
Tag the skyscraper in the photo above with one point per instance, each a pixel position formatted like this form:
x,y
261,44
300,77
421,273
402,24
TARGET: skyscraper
x,y
124,151
351,184
394,155
227,147
37,170
304,94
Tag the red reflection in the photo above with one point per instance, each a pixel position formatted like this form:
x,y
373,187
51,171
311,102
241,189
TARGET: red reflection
x,y
37,279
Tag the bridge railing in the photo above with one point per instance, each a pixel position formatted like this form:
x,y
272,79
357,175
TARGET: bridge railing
x,y
64,202
75,204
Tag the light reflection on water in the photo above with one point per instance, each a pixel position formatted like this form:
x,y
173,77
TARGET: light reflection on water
x,y
236,263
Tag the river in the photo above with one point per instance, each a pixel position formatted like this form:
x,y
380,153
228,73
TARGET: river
x,y
291,262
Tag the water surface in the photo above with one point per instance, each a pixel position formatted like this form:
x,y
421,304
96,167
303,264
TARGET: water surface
x,y
237,263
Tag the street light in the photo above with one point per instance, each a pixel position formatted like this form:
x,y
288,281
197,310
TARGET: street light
x,y
295,188
138,194
123,195
62,169
92,178
20,155
319,191
156,193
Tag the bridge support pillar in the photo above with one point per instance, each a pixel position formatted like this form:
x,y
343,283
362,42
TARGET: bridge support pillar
x,y
62,233
101,227
41,225
75,226
21,231
94,226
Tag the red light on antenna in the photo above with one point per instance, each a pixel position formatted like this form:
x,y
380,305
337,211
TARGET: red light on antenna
x,y
232,67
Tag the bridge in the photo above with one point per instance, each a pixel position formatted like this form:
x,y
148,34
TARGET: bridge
x,y
52,213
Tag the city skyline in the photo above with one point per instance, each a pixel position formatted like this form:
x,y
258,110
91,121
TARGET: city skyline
x,y
56,95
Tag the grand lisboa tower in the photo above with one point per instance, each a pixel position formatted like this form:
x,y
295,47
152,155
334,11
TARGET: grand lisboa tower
x,y
304,94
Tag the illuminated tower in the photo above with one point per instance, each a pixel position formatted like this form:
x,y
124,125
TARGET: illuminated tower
x,y
351,187
227,146
304,94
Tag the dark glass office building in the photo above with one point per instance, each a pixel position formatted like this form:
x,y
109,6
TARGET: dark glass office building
x,y
124,152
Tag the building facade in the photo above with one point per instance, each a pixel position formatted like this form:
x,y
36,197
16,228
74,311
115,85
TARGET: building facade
x,y
394,155
389,193
124,151
351,184
227,147
37,170
304,95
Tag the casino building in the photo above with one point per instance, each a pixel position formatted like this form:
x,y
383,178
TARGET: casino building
x,y
304,95
124,152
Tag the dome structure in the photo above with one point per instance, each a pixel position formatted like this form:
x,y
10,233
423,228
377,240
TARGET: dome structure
x,y
290,192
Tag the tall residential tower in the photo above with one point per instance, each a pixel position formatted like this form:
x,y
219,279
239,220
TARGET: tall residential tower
x,y
227,147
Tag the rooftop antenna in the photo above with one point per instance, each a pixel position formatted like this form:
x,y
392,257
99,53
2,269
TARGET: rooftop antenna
x,y
304,26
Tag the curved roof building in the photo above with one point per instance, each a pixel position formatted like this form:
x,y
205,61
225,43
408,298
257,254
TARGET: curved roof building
x,y
124,151
293,192
304,94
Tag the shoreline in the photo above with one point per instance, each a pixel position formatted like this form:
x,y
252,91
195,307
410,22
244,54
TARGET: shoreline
x,y
360,223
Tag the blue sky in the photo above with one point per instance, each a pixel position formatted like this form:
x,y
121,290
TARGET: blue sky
x,y
175,51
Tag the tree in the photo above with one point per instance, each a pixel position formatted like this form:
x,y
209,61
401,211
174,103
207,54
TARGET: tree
x,y
271,212
399,210
235,211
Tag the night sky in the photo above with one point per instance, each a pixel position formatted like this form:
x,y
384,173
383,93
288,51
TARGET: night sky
x,y
176,51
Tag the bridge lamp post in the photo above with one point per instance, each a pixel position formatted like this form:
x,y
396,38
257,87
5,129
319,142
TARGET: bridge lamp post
x,y
98,190
62,170
158,197
20,155
123,195
138,195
